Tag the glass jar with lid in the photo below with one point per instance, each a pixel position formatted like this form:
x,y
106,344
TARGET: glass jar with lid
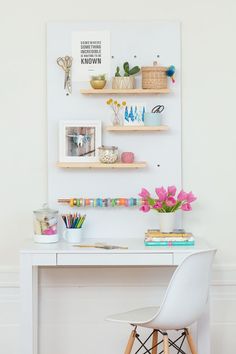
x,y
45,225
108,154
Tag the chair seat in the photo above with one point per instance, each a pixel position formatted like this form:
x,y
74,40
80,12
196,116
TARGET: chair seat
x,y
136,317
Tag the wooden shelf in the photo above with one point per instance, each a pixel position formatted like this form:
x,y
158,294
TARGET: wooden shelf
x,y
136,128
121,92
117,165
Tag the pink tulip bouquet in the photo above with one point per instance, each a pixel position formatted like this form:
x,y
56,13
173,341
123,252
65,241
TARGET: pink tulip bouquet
x,y
166,201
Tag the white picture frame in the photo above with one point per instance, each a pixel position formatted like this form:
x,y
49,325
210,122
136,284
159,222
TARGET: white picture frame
x,y
91,54
79,140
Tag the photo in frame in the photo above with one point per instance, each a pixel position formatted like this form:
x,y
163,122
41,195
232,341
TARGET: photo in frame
x,y
79,140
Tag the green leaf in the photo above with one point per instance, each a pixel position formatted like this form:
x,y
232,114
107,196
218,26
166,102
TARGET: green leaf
x,y
134,70
126,67
177,206
151,201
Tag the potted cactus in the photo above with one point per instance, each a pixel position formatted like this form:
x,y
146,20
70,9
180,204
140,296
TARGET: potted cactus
x,y
127,81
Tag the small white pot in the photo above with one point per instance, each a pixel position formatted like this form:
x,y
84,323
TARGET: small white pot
x,y
166,222
73,235
123,83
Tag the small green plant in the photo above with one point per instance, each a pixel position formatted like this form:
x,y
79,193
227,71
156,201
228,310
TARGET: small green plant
x,y
99,77
117,73
127,70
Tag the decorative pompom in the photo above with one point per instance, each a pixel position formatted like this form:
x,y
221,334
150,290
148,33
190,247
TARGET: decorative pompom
x,y
170,72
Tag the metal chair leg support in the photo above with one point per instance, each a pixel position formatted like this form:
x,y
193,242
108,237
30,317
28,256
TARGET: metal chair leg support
x,y
177,347
179,350
143,344
173,343
155,343
167,343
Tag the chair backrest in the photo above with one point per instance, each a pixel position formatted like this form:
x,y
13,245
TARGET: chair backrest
x,y
187,293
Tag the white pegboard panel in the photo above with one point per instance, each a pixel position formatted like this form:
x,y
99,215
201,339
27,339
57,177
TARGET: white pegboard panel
x,y
140,43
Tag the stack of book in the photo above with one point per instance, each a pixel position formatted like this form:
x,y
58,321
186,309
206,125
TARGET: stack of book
x,y
176,238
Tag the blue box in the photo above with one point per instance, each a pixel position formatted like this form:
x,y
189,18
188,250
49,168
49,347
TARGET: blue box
x,y
152,119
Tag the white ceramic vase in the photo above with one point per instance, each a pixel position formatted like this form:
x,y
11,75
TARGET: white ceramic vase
x,y
166,222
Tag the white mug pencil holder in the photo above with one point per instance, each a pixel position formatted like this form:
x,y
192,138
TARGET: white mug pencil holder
x,y
45,225
73,223
73,235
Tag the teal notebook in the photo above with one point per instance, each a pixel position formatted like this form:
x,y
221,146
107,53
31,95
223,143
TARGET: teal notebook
x,y
169,243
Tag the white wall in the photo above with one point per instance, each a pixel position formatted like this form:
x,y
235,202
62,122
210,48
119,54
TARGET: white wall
x,y
208,58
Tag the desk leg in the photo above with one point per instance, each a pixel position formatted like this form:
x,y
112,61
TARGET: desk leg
x,y
203,332
29,305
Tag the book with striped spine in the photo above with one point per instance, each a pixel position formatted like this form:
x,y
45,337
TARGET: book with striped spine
x,y
169,243
176,238
176,233
172,239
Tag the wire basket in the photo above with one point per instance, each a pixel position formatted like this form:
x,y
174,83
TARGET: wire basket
x,y
154,77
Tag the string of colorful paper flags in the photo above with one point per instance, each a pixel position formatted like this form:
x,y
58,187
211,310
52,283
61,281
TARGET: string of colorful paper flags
x,y
102,202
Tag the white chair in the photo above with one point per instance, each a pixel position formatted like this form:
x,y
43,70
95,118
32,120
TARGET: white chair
x,y
184,302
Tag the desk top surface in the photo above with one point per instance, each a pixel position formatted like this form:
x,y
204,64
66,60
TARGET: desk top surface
x,y
135,246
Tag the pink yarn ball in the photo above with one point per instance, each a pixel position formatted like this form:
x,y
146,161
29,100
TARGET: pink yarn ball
x,y
127,157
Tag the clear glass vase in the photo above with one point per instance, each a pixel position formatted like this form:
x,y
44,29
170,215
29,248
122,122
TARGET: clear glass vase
x,y
116,119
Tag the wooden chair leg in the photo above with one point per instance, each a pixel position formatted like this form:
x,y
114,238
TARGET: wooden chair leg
x,y
190,342
165,343
130,342
154,342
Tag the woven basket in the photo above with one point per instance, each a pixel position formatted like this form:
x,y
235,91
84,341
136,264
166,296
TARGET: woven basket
x,y
154,77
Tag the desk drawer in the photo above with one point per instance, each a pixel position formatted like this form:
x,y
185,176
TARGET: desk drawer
x,y
115,259
43,259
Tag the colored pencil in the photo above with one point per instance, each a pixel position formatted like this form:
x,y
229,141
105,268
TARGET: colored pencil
x,y
73,221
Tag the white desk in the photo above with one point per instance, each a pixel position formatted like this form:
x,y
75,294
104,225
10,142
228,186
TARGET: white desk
x,y
61,254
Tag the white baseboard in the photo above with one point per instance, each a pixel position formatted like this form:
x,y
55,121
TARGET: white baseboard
x,y
9,277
